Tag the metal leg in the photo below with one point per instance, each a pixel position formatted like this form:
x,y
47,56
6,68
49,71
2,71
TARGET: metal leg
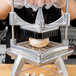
x,y
61,67
19,62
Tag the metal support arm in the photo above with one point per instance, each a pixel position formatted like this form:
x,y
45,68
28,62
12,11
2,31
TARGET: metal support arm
x,y
17,66
19,62
61,67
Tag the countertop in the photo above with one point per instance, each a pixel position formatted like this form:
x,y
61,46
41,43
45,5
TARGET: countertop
x,y
5,70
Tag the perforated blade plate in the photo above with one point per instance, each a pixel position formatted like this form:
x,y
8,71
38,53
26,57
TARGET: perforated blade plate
x,y
41,53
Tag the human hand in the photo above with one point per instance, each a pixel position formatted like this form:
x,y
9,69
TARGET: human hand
x,y
60,3
35,2
38,3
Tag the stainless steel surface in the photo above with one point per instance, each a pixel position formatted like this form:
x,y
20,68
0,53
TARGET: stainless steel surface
x,y
67,6
31,56
17,66
61,67
13,40
62,21
3,35
39,25
71,34
2,53
38,61
22,58
40,56
51,48
71,37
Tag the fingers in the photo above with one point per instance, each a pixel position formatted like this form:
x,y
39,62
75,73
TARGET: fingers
x,y
32,2
40,3
52,1
36,3
47,2
27,1
33,5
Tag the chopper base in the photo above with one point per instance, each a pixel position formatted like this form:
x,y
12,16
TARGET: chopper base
x,y
39,58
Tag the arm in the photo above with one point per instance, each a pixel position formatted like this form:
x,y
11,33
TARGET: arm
x,y
4,9
72,5
72,9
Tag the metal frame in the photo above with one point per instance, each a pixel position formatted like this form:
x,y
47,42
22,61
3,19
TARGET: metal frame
x,y
39,27
23,55
21,59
